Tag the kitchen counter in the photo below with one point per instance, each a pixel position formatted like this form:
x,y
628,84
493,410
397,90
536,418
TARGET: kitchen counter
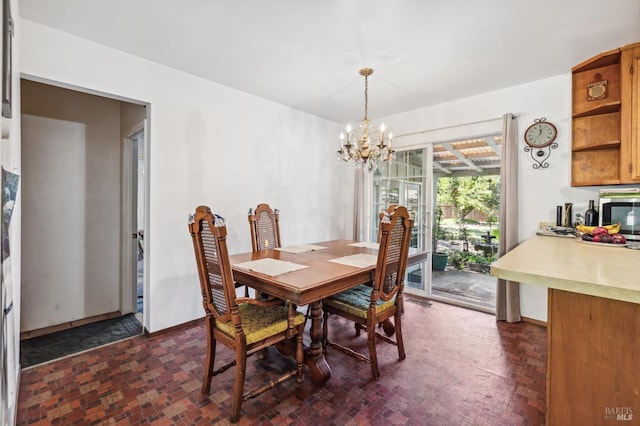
x,y
572,265
593,326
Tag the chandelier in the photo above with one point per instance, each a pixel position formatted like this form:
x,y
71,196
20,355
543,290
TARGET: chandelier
x,y
364,147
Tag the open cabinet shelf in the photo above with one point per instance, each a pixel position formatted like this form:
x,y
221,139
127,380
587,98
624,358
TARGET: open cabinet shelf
x,y
604,136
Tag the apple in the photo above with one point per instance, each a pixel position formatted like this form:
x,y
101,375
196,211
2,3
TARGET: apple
x,y
618,239
587,237
600,230
603,238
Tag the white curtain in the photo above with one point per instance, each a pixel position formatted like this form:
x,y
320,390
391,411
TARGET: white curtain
x,y
358,206
508,292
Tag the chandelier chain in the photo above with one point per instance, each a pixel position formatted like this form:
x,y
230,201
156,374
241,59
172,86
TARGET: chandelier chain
x,y
366,97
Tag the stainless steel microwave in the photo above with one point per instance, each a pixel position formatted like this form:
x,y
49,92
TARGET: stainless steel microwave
x,y
624,210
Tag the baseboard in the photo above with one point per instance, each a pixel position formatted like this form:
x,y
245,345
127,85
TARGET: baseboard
x,y
181,326
534,321
67,325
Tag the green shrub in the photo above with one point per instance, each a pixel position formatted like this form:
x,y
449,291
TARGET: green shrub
x,y
461,259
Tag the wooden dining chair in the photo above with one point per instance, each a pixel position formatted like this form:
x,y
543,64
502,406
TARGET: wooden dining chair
x,y
381,217
370,305
265,232
264,223
245,325
265,227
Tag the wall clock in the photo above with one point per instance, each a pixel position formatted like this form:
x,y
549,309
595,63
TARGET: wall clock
x,y
540,140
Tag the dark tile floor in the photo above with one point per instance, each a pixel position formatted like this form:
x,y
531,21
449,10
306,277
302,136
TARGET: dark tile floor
x,y
51,346
462,368
57,345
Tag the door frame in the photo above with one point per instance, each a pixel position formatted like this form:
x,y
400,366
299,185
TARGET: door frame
x,y
126,289
425,139
130,225
426,216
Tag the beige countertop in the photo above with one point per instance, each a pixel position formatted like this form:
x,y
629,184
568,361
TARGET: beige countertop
x,y
571,265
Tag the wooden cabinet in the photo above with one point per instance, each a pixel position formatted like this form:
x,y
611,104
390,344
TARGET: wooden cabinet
x,y
631,116
592,360
605,121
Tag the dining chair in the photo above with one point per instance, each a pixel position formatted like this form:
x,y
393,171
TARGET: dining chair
x,y
381,217
265,232
265,227
264,223
385,325
245,325
369,305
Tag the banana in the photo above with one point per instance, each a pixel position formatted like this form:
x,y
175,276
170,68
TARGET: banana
x,y
613,228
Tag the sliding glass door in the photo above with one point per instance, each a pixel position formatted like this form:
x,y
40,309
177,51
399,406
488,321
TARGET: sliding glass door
x,y
407,181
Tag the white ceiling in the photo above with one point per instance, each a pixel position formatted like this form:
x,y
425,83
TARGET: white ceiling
x,y
306,54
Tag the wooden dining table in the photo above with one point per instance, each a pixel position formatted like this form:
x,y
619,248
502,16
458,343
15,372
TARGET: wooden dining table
x,y
319,278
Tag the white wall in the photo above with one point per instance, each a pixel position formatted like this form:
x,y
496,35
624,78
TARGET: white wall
x,y
207,144
540,191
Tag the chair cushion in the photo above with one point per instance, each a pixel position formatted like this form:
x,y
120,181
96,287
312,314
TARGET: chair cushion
x,y
259,322
356,301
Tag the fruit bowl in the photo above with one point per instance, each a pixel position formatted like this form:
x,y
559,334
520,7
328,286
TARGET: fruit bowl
x,y
602,235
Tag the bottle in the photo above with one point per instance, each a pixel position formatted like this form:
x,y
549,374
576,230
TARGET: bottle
x,y
568,216
591,215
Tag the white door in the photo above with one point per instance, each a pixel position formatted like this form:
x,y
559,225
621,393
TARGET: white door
x,y
407,181
132,220
129,233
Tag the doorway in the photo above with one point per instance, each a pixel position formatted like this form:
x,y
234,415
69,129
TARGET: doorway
x,y
466,181
73,166
465,236
466,226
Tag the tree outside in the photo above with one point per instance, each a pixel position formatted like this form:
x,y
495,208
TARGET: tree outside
x,y
468,193
468,241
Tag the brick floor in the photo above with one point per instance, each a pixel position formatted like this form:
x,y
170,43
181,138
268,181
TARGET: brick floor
x,y
462,368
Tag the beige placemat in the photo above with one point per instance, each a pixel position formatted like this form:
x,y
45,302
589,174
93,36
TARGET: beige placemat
x,y
374,246
357,260
301,248
270,267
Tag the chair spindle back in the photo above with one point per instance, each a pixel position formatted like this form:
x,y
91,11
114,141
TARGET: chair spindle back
x,y
395,227
265,228
209,236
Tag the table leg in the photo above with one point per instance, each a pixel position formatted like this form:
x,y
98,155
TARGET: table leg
x,y
314,357
388,327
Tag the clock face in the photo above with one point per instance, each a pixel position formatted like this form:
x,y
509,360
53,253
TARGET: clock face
x,y
540,134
